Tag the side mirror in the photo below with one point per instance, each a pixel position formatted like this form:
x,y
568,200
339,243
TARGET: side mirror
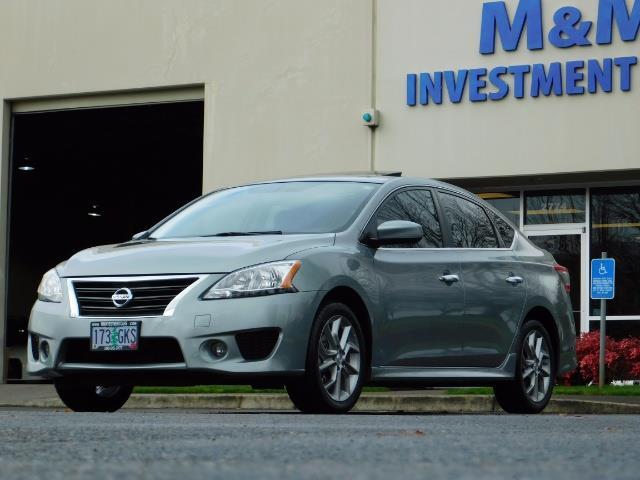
x,y
397,231
139,235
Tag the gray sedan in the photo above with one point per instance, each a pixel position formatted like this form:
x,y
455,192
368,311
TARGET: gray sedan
x,y
322,285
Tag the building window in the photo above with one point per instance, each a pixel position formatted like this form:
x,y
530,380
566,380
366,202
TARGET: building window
x,y
544,208
507,203
615,229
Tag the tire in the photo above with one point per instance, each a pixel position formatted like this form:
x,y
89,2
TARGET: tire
x,y
93,398
531,389
334,377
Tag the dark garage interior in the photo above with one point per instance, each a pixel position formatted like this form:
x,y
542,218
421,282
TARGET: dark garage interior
x,y
87,177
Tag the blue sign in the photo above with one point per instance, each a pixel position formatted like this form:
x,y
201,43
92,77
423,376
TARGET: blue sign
x,y
603,279
569,29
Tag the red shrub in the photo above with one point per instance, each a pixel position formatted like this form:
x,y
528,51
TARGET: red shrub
x,y
622,359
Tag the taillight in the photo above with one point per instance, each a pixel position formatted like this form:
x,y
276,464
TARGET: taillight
x,y
564,276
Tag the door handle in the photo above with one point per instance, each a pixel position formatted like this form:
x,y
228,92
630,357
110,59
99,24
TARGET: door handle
x,y
514,280
449,279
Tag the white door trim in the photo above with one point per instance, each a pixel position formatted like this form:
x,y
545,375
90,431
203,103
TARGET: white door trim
x,y
109,99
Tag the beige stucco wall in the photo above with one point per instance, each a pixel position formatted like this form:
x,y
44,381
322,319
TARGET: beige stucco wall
x,y
285,80
511,137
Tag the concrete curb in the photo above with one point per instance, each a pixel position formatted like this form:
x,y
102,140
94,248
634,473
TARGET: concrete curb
x,y
395,403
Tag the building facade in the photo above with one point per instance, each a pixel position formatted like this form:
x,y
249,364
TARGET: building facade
x,y
531,104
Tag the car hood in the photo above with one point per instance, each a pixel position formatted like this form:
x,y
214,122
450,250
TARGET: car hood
x,y
185,256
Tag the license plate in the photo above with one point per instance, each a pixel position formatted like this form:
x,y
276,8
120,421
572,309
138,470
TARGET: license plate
x,y
114,336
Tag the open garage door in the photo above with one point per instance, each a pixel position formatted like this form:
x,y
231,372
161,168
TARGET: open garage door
x,y
89,177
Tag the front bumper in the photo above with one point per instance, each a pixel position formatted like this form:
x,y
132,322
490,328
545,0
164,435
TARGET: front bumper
x,y
193,325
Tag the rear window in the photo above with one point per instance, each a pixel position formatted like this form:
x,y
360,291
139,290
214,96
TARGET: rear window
x,y
504,229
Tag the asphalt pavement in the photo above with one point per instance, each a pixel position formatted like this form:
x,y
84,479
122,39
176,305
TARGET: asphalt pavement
x,y
58,444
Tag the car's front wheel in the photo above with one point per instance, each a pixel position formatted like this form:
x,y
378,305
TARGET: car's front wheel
x,y
93,398
531,389
336,363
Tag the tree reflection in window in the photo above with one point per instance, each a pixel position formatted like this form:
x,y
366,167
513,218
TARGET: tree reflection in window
x,y
504,229
414,206
615,229
470,226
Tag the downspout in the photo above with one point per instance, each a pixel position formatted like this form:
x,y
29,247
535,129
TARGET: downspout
x,y
373,80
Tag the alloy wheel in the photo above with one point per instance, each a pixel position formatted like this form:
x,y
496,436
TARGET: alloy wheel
x,y
536,366
339,358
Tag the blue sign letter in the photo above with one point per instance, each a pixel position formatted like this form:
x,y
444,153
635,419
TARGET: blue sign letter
x,y
625,64
477,83
495,19
496,79
431,88
455,85
574,77
541,82
519,72
597,75
628,25
412,80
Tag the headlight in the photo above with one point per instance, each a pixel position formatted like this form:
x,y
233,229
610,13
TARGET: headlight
x,y
266,279
50,288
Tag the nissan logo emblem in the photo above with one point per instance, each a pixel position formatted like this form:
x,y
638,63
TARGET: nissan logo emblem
x,y
122,297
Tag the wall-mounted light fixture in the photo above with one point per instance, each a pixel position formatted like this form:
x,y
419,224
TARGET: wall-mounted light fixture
x,y
26,165
94,211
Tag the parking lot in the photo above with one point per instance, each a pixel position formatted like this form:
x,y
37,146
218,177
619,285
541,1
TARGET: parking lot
x,y
56,444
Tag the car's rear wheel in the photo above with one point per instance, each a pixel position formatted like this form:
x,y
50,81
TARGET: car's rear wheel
x,y
531,389
93,398
336,363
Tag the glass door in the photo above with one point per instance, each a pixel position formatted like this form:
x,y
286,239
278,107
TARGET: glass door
x,y
569,250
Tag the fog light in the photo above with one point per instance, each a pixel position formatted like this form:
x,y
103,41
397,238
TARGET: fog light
x,y
218,349
44,349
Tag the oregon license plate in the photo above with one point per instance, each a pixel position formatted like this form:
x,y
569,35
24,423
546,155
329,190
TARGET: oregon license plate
x,y
115,336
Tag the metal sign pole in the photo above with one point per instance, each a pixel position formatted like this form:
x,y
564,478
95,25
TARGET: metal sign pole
x,y
603,337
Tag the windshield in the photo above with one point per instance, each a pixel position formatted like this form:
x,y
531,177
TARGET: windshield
x,y
273,208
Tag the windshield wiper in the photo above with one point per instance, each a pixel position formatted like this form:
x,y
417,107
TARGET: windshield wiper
x,y
244,234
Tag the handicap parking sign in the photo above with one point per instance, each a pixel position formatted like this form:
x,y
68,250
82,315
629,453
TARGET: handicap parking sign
x,y
603,275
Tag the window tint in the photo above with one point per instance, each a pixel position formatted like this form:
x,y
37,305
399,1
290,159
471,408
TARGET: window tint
x,y
414,206
470,226
504,229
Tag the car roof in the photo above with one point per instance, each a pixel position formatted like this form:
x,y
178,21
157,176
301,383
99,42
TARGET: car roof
x,y
394,180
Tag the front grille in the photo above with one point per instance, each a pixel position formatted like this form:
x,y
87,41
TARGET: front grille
x,y
150,297
257,344
150,350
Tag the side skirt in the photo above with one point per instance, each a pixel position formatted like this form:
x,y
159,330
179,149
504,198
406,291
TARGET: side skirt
x,y
454,376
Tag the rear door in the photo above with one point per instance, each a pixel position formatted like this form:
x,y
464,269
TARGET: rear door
x,y
493,281
422,312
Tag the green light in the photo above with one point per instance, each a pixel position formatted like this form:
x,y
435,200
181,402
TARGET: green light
x,y
367,117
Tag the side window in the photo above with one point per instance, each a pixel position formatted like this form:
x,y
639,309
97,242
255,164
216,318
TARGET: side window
x,y
414,206
504,229
470,226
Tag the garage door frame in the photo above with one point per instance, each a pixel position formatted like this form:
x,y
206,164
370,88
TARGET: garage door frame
x,y
11,106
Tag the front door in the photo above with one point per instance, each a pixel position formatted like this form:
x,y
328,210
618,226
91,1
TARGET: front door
x,y
421,290
567,248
